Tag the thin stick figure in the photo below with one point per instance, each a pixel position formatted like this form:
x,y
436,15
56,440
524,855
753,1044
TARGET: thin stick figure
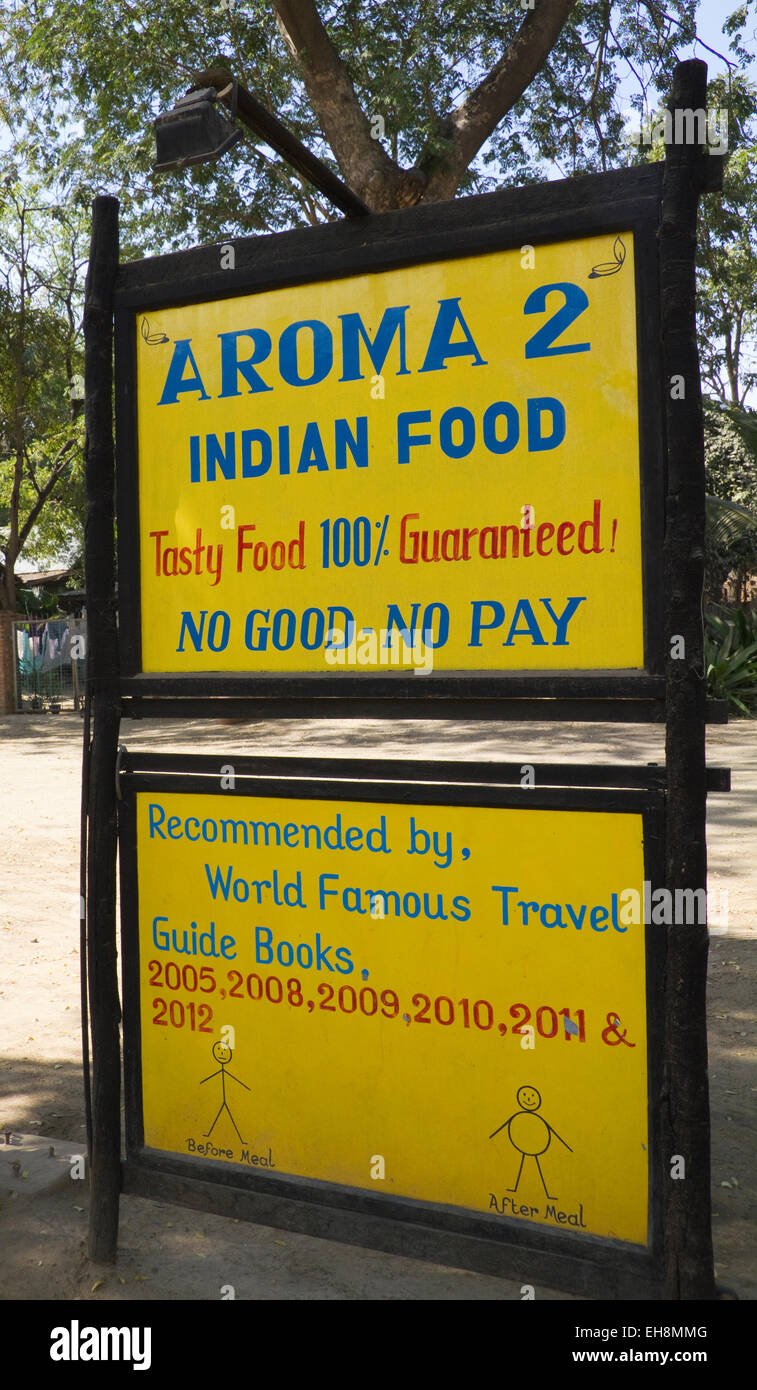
x,y
529,1133
222,1054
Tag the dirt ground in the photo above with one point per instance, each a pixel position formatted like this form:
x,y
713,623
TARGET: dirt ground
x,y
171,1253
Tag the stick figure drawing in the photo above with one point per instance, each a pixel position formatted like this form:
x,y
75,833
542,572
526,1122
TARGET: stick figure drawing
x,y
222,1054
529,1133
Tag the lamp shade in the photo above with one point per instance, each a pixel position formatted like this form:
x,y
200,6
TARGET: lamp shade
x,y
194,131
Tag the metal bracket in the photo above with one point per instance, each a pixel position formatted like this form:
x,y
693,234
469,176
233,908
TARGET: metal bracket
x,y
122,752
232,87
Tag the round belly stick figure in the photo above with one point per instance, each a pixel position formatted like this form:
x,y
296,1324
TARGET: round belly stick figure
x,y
529,1133
222,1054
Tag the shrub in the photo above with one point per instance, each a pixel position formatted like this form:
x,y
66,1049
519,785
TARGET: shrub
x,y
730,657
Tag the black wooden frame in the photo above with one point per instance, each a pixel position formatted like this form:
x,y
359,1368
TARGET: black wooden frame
x,y
587,1265
625,200
658,203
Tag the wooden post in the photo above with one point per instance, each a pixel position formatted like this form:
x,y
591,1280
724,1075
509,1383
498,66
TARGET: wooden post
x,y
685,1129
102,678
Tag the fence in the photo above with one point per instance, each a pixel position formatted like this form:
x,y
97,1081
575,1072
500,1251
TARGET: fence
x,y
50,663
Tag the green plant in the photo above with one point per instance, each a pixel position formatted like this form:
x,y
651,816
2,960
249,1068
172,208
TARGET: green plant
x,y
730,545
730,657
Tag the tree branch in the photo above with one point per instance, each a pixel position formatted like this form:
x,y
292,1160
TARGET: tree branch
x,y
467,128
44,492
366,166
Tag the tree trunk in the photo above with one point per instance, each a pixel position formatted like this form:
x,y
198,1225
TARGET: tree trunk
x,y
366,166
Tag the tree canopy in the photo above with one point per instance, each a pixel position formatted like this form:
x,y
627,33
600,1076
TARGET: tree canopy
x,y
41,491
727,258
409,101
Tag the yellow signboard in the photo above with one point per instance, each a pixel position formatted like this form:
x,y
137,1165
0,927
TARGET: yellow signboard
x,y
442,1003
428,468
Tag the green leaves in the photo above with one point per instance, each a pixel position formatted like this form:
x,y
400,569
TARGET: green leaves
x,y
41,430
731,479
727,254
728,522
730,657
84,82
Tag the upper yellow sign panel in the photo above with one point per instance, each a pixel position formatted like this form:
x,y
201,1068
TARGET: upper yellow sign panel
x,y
433,468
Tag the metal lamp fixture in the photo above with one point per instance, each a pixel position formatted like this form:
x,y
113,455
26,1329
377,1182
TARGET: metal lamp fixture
x,y
194,131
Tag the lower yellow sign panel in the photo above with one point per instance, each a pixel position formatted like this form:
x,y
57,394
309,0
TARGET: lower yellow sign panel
x,y
436,1002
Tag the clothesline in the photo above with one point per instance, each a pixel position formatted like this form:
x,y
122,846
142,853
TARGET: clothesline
x,y
43,644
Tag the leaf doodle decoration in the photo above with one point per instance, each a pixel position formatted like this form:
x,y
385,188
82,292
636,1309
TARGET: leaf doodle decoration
x,y
152,338
610,267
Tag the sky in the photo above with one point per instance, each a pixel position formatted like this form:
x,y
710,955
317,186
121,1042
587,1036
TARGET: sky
x,y
711,16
